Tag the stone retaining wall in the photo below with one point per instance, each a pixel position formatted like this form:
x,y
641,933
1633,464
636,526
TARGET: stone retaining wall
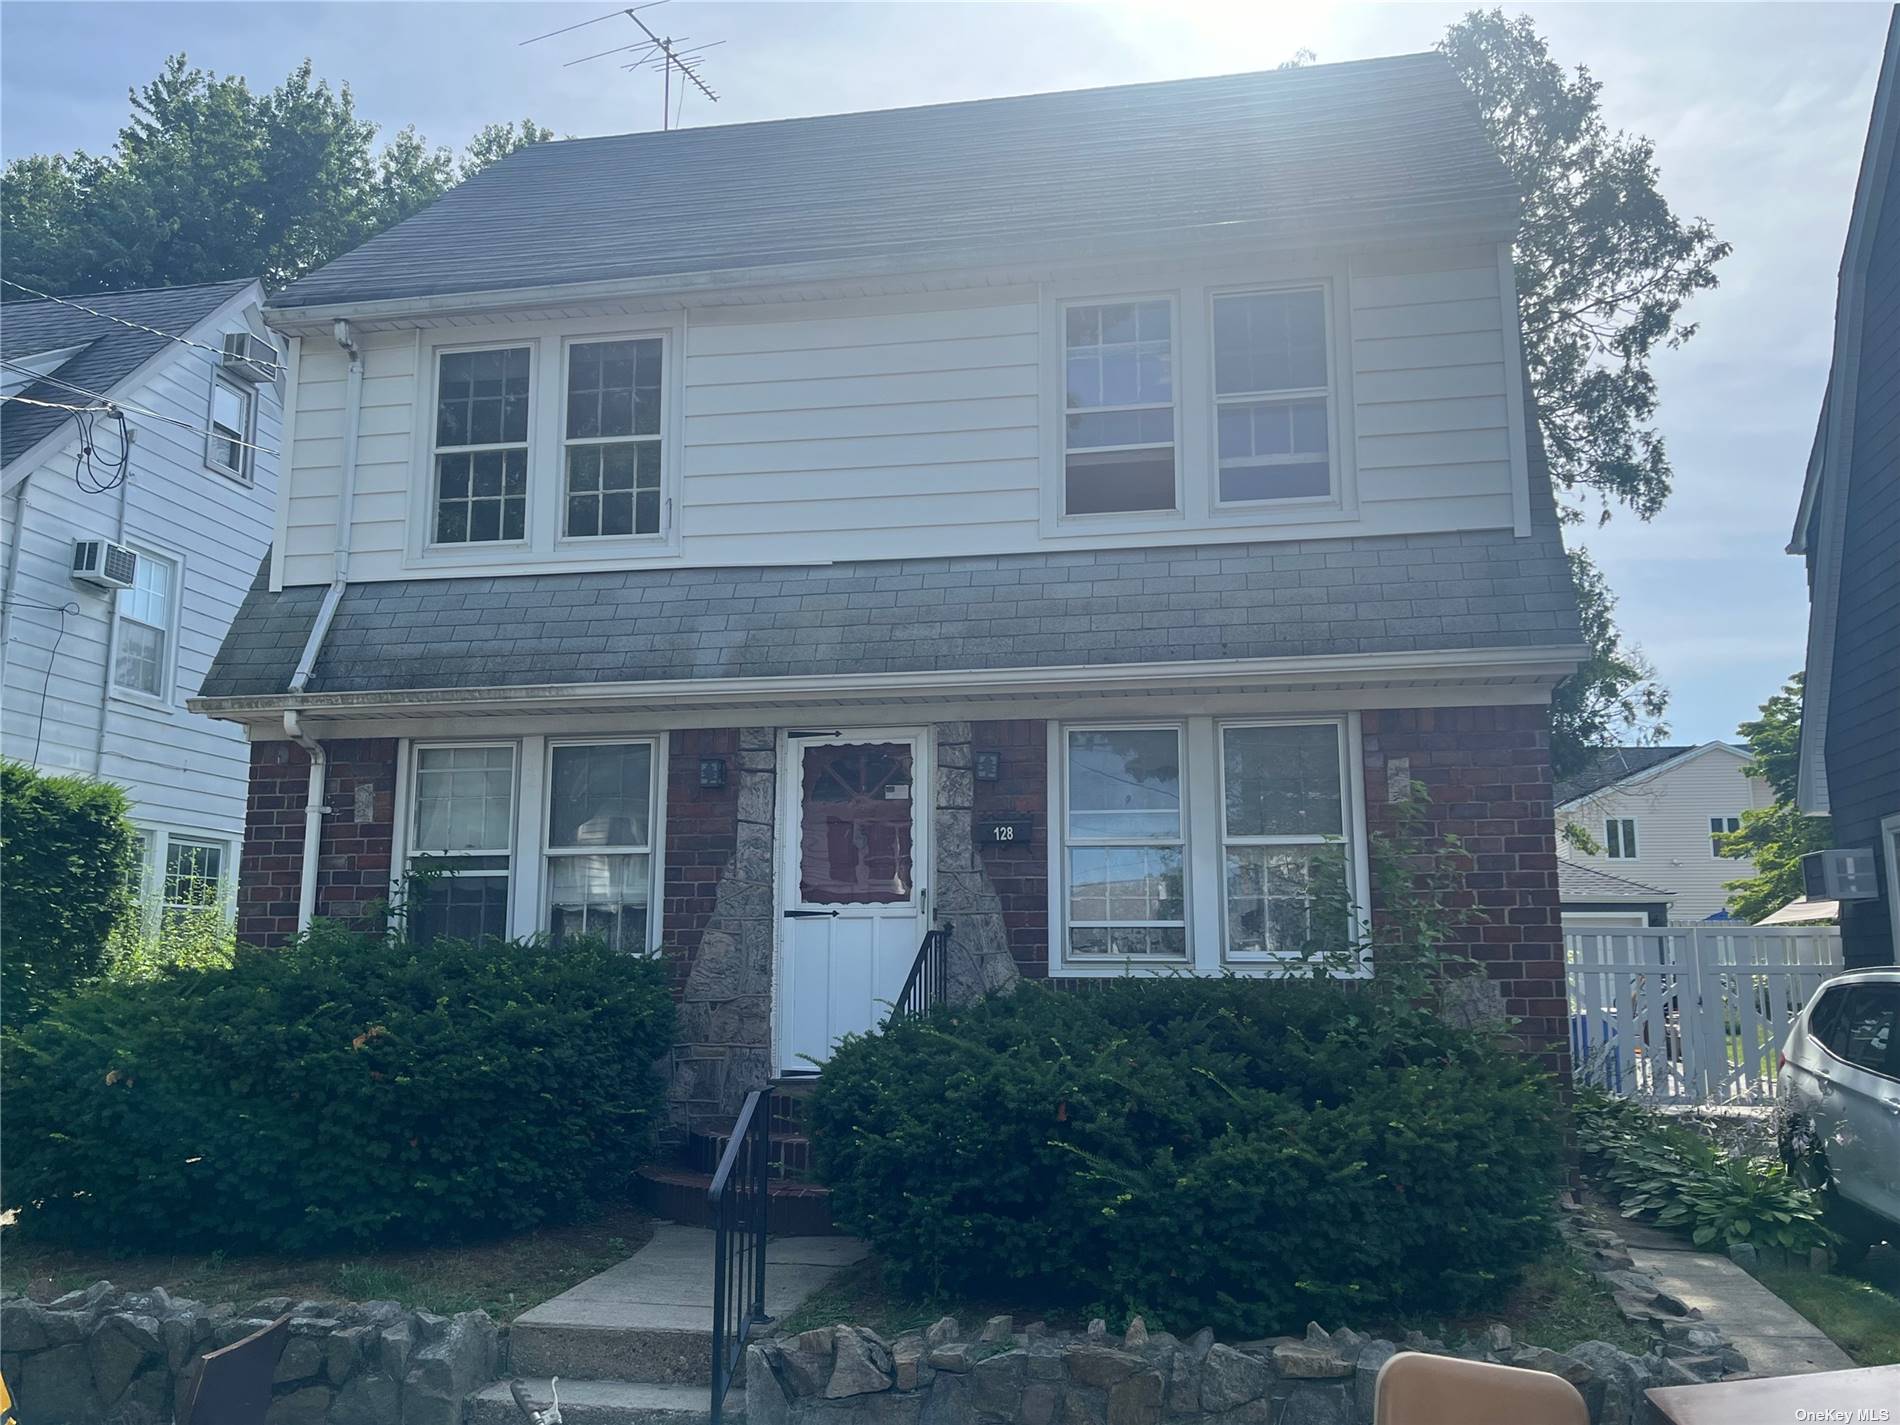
x,y
107,1357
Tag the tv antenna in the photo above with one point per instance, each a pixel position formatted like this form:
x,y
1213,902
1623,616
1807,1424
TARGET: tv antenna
x,y
653,52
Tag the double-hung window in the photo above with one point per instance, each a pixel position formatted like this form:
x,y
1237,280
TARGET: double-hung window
x,y
1619,838
481,446
147,613
1720,826
233,422
1272,408
1124,843
460,838
612,437
1283,824
1118,408
600,841
194,875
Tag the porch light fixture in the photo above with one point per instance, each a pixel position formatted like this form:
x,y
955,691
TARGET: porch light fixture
x,y
712,771
988,765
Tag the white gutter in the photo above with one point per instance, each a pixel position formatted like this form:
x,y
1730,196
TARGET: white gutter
x,y
112,613
313,806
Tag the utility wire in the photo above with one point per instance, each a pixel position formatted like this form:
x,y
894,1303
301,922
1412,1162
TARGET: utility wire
x,y
135,326
52,656
132,409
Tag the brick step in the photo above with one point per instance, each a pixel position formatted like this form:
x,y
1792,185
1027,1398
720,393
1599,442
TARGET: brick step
x,y
787,1155
678,1194
606,1402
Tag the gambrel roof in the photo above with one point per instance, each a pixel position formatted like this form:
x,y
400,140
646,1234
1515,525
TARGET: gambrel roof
x,y
1358,151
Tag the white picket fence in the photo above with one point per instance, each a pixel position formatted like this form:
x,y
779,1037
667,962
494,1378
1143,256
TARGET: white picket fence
x,y
1691,1014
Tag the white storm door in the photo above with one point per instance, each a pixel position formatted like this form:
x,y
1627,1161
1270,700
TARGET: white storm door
x,y
853,887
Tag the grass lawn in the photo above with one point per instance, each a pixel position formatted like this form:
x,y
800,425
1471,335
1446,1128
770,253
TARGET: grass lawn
x,y
1857,1316
503,1277
1556,1304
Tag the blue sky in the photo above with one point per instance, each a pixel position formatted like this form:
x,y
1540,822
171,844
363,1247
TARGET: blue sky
x,y
1758,113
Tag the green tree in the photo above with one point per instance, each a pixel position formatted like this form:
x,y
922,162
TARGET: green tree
x,y
1775,838
1614,696
210,181
1603,263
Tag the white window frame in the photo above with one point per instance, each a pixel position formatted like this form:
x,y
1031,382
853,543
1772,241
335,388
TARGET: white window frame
x,y
1344,839
408,806
430,418
1622,846
1061,842
244,474
663,438
1059,399
1202,807
1724,829
656,809
227,877
168,671
1291,396
1890,853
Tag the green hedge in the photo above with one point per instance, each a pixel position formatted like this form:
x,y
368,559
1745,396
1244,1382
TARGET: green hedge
x,y
1243,1154
348,1090
68,864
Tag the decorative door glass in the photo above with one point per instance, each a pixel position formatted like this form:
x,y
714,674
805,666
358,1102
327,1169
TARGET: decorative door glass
x,y
854,826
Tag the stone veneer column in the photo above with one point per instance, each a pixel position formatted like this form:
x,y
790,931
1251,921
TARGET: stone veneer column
x,y
725,1013
980,959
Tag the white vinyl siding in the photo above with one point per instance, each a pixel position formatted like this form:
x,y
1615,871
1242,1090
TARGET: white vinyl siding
x,y
930,425
60,706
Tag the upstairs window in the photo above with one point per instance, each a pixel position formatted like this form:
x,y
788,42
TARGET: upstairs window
x,y
142,640
1272,413
233,421
1118,426
612,454
1619,838
1720,826
481,446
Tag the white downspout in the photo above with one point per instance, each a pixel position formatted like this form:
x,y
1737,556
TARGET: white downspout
x,y
314,806
13,574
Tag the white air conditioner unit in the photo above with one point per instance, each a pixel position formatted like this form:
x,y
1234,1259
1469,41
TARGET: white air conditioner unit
x,y
1846,874
101,562
249,358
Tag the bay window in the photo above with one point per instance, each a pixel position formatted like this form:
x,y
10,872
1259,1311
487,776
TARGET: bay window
x,y
1118,405
600,841
481,446
1206,844
460,839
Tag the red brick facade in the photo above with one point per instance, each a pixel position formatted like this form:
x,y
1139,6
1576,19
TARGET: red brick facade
x,y
358,834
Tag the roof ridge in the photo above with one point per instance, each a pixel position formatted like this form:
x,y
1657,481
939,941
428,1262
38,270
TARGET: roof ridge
x,y
1410,57
90,297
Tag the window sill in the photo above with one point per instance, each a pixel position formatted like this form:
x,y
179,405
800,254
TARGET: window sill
x,y
150,702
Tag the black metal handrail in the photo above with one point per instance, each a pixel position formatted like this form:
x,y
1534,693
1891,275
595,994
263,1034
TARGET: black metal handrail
x,y
740,1198
929,982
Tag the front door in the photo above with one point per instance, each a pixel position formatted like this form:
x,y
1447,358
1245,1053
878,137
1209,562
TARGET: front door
x,y
853,885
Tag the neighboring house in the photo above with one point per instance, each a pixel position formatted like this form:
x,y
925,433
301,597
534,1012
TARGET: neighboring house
x,y
1848,527
1596,900
95,676
1656,815
1075,518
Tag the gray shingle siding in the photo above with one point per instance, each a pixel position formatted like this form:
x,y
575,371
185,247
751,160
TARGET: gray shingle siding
x,y
1100,607
1303,156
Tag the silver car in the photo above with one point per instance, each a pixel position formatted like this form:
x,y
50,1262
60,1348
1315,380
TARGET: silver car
x,y
1840,1093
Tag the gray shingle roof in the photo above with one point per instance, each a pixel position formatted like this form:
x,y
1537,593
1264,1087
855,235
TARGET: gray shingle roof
x,y
1580,883
1614,764
1310,154
1102,607
111,353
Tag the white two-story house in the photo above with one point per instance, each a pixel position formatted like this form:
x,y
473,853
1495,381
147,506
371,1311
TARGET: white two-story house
x,y
1074,518
140,434
1656,816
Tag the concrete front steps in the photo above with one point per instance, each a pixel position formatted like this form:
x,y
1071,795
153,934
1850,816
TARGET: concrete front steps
x,y
606,1402
633,1345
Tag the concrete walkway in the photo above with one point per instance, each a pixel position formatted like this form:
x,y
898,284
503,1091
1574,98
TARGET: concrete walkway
x,y
1777,1339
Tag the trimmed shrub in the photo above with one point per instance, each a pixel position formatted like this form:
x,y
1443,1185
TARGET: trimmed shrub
x,y
68,862
1243,1154
348,1090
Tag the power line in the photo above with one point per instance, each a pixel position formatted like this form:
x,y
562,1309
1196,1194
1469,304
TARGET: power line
x,y
131,409
135,326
